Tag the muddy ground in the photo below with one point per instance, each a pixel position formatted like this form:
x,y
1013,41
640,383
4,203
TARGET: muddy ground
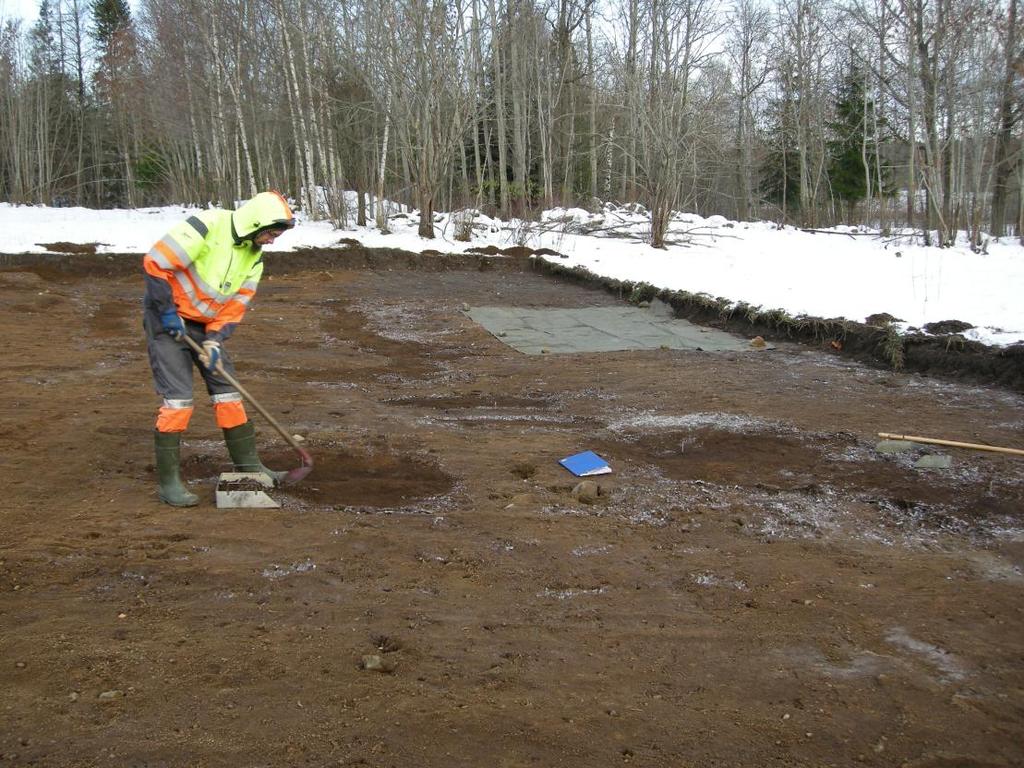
x,y
754,586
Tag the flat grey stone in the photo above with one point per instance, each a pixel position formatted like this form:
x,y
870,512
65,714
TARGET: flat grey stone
x,y
601,329
934,461
893,446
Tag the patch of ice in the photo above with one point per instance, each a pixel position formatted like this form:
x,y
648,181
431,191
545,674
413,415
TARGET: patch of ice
x,y
796,516
648,517
829,513
1007,531
568,594
548,419
400,323
726,422
275,571
994,567
708,579
587,551
861,664
332,384
589,394
589,511
855,454
947,663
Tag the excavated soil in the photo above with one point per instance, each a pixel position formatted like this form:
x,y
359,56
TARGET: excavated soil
x,y
755,584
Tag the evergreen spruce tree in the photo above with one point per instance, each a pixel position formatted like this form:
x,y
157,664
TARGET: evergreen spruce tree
x,y
109,17
114,35
44,57
115,85
853,138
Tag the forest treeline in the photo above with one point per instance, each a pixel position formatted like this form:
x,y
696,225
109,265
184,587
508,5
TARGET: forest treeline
x,y
814,112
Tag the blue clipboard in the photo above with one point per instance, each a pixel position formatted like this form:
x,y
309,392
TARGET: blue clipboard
x,y
586,464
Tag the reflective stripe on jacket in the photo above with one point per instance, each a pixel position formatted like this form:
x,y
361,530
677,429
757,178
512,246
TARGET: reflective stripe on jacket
x,y
207,267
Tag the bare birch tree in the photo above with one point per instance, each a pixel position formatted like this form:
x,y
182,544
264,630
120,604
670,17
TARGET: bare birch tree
x,y
514,103
747,49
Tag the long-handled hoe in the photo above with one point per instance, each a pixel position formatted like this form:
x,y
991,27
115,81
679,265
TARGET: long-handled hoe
x,y
242,498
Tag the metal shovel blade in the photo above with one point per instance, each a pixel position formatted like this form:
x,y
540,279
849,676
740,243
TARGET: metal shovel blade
x,y
295,475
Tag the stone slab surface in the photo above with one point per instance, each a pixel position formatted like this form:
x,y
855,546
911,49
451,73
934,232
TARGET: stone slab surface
x,y
600,329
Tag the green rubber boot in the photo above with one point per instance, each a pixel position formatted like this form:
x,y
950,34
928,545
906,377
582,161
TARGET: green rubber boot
x,y
241,442
168,470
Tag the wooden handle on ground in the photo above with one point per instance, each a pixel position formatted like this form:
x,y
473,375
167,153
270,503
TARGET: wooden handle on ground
x,y
952,443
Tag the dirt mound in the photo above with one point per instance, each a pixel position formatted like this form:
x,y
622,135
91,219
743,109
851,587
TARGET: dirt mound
x,y
515,250
881,319
76,248
947,327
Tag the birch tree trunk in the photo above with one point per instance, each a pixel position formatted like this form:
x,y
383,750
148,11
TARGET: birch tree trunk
x,y
749,25
479,125
304,147
594,134
381,212
520,142
1009,115
497,42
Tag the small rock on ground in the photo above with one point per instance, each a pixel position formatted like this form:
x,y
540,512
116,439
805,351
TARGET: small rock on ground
x,y
934,461
372,662
586,492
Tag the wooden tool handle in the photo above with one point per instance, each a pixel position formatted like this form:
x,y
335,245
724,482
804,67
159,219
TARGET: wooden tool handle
x,y
952,443
251,400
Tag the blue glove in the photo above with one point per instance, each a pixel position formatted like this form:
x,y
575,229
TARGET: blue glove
x,y
173,326
210,355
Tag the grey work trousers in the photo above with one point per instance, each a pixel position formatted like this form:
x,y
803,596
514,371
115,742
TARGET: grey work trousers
x,y
172,362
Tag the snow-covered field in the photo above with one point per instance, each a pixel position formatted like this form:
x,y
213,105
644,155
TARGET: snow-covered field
x,y
847,272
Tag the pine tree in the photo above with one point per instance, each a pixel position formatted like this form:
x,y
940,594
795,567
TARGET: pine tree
x,y
117,102
853,137
109,17
115,38
44,56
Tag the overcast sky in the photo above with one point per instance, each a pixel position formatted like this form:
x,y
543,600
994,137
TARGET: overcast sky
x,y
29,9
25,9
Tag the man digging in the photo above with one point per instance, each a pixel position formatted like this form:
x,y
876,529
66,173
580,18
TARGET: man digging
x,y
200,277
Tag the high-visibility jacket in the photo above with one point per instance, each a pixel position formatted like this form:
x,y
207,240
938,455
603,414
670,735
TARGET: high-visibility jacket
x,y
207,267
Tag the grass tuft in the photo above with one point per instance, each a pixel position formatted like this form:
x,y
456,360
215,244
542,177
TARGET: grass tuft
x,y
892,347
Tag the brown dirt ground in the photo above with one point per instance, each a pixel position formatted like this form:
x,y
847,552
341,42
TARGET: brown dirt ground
x,y
755,586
